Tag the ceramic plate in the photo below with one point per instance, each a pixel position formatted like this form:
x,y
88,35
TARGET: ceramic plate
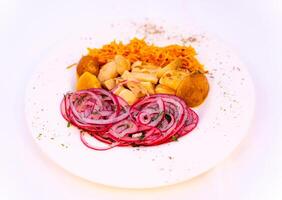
x,y
224,116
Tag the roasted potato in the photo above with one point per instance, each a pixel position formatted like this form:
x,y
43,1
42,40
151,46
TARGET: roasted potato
x,y
145,68
109,84
172,65
118,89
172,78
137,89
87,81
193,89
122,64
87,64
137,63
128,96
162,89
108,71
140,76
148,86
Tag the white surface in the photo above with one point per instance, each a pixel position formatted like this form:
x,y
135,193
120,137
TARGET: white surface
x,y
225,116
253,28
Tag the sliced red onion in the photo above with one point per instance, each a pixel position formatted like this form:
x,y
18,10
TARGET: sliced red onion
x,y
153,120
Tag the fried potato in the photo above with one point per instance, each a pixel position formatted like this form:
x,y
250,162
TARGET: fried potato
x,y
137,89
148,86
108,71
172,78
193,89
87,81
122,64
87,64
118,89
145,68
109,84
172,65
145,77
162,89
128,96
137,63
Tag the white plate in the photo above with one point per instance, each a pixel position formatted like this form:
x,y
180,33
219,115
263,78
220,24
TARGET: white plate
x,y
224,116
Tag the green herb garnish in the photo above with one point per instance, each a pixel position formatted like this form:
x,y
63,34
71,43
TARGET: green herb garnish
x,y
142,136
174,138
168,118
69,124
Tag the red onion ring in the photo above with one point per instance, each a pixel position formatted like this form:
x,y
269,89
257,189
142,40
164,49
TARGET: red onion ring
x,y
153,120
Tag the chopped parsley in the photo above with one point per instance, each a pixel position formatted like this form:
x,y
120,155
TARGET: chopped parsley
x,y
69,124
174,138
141,137
168,117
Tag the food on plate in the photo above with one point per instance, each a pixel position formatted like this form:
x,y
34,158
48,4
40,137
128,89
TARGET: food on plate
x,y
146,95
122,64
172,78
153,120
88,64
140,50
175,64
87,81
162,89
149,87
193,89
145,77
108,71
109,84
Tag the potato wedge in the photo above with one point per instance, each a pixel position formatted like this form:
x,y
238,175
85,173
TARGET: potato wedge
x,y
118,89
126,75
172,78
122,64
108,71
109,84
150,66
150,88
172,65
137,63
143,70
162,89
193,89
128,96
87,64
137,89
140,76
87,81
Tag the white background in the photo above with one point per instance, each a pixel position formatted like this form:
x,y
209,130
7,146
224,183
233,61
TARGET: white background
x,y
253,28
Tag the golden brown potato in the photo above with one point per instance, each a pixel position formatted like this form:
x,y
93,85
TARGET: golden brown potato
x,y
109,84
145,77
108,71
128,96
137,89
122,64
137,63
118,89
162,89
145,68
87,81
193,89
87,64
149,87
172,78
171,66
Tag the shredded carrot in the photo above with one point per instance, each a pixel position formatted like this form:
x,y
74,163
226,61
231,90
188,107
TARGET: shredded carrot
x,y
138,49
